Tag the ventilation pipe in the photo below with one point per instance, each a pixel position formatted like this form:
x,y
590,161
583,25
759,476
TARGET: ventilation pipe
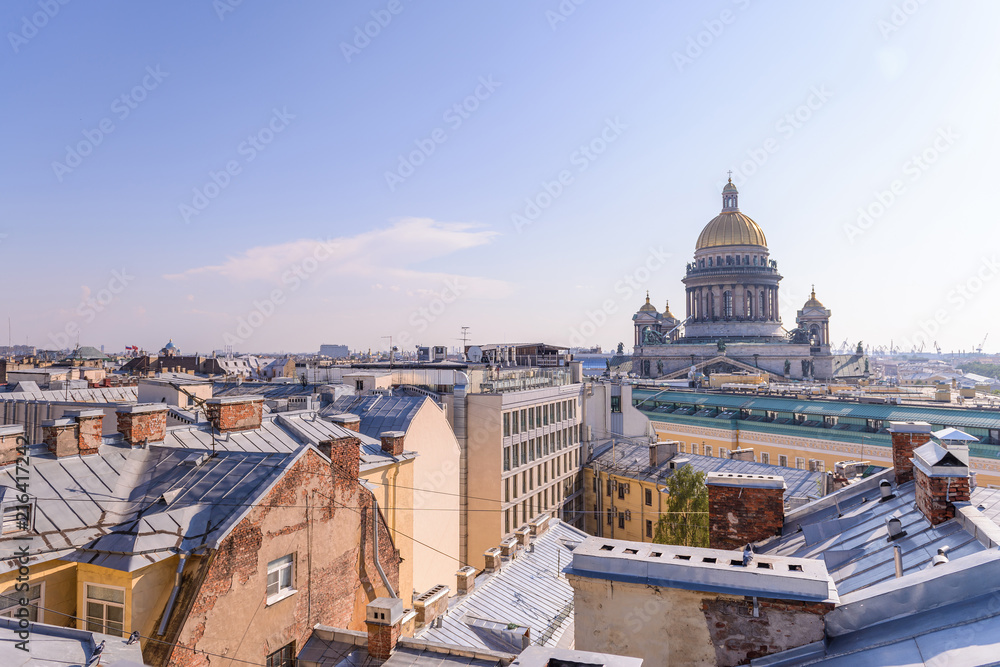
x,y
378,565
897,556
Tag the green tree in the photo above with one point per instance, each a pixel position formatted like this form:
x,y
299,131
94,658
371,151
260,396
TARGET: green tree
x,y
686,519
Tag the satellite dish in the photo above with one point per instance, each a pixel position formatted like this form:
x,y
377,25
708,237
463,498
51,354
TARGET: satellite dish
x,y
475,354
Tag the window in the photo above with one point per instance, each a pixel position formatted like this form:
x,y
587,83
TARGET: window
x,y
609,517
708,450
649,528
16,519
10,602
680,447
616,404
649,497
506,424
765,457
800,462
105,609
621,491
513,480
727,304
514,429
783,461
506,491
283,657
279,577
506,521
524,421
545,415
531,418
621,519
538,416
359,385
506,458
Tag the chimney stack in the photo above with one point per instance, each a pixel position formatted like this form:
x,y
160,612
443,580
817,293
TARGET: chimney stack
x,y
142,421
392,442
660,452
744,508
90,429
906,437
383,618
235,413
347,420
539,524
493,559
345,458
522,535
466,579
61,436
10,435
942,476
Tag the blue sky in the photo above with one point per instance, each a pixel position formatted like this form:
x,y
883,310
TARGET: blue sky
x,y
275,178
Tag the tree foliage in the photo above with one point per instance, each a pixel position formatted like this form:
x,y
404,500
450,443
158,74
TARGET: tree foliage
x,y
686,519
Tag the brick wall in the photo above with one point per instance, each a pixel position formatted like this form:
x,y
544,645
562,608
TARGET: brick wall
x,y
738,515
382,640
139,426
334,572
903,445
235,416
739,637
936,496
91,429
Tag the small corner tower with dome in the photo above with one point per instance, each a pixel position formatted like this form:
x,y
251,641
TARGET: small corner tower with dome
x,y
814,319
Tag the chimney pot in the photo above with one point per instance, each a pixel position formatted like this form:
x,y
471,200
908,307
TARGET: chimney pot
x,y
347,420
392,442
10,436
466,578
383,618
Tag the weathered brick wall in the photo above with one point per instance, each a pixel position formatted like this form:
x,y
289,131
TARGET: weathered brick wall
x,y
325,523
738,515
137,427
90,434
739,637
61,440
936,496
903,445
381,640
227,417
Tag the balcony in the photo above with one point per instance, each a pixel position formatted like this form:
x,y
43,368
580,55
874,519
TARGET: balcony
x,y
769,271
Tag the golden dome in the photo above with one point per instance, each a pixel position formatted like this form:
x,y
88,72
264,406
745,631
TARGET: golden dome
x,y
647,307
731,228
813,302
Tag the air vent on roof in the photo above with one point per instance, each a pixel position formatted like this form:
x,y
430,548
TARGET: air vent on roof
x,y
171,495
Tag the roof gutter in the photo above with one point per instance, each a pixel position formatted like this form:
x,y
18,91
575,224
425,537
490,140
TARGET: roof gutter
x,y
173,594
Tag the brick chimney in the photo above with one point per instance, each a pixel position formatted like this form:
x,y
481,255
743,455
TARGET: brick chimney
x,y
140,422
345,457
235,413
347,420
61,436
539,524
906,437
10,436
392,442
942,475
493,559
90,429
743,508
522,534
383,618
466,580
431,604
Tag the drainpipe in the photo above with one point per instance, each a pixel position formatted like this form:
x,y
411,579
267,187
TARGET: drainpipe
x,y
173,595
378,565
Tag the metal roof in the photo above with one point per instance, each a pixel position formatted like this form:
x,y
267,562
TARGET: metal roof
x,y
55,645
956,417
848,530
126,508
632,460
379,413
527,591
88,395
283,432
334,647
265,389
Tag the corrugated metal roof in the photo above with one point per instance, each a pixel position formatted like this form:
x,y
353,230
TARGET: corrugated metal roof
x,y
88,395
528,591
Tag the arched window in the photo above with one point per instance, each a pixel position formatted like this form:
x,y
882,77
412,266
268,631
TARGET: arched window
x,y
727,304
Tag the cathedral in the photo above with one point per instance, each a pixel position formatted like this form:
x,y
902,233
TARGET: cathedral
x,y
732,319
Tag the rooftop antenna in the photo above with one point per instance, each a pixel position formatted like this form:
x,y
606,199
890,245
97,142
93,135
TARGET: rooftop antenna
x,y
465,339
